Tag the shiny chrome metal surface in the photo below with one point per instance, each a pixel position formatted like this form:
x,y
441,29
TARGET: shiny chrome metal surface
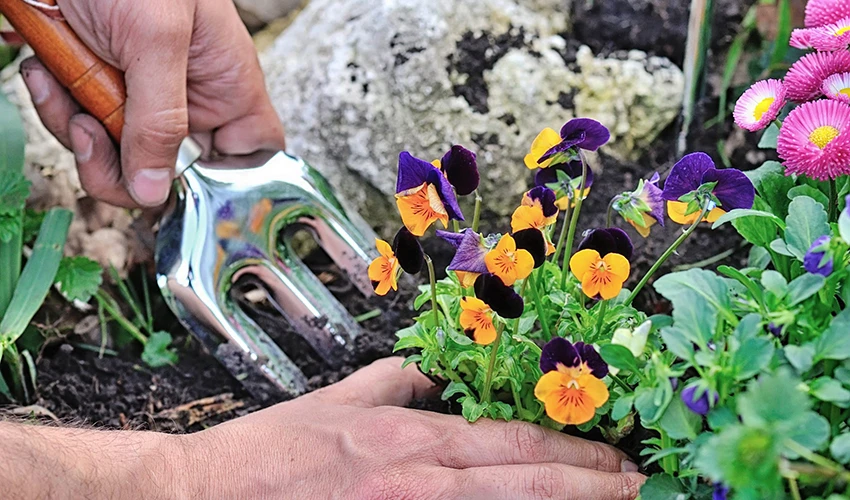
x,y
225,220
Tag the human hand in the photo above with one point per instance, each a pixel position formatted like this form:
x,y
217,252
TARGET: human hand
x,y
190,66
351,440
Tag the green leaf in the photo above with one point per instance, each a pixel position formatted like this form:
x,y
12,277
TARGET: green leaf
x,y
751,357
743,458
769,137
842,373
471,409
772,185
811,431
844,225
779,246
840,448
810,191
720,417
455,388
834,343
651,402
774,283
800,357
12,139
677,342
37,276
78,278
831,390
157,353
749,284
739,213
806,222
14,191
411,337
697,296
759,257
773,398
804,287
622,407
679,422
662,486
619,357
499,410
32,221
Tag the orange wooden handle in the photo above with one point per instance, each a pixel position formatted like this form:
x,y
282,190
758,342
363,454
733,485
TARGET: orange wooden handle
x,y
97,86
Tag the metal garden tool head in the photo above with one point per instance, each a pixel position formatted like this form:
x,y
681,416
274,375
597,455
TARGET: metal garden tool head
x,y
223,222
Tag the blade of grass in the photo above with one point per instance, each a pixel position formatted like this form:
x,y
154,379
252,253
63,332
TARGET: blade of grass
x,y
736,50
147,296
129,297
12,141
37,277
699,41
783,34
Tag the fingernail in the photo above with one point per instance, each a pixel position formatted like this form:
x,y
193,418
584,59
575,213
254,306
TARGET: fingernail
x,y
628,466
37,84
150,186
82,142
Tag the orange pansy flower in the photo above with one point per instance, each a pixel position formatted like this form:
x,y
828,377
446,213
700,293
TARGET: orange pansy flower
x,y
384,270
600,275
508,263
420,207
476,319
528,217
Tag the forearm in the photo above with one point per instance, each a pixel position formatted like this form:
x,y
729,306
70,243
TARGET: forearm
x,y
49,462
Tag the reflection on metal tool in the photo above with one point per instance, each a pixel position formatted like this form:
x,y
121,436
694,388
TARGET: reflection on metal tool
x,y
225,221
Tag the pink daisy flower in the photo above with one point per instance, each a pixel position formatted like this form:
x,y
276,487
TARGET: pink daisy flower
x,y
837,87
760,105
823,12
804,80
829,38
815,140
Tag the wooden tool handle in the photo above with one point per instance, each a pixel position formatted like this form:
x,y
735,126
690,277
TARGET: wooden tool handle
x,y
97,86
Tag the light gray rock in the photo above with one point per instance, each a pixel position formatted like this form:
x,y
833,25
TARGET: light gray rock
x,y
356,82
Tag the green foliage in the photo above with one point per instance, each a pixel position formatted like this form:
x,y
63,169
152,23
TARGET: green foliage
x,y
157,352
79,278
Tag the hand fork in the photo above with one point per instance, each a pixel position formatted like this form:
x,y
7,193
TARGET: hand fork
x,y
222,222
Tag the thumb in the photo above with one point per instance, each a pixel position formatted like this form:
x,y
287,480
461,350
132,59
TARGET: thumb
x,y
156,116
383,383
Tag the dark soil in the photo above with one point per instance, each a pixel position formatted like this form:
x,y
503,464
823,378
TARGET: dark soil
x,y
120,392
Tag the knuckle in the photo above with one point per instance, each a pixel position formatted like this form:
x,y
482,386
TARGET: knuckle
x,y
546,482
390,483
530,441
627,486
160,133
604,458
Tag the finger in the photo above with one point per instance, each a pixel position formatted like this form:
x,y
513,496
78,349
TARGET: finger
x,y
383,383
540,481
97,161
52,102
156,116
258,131
492,442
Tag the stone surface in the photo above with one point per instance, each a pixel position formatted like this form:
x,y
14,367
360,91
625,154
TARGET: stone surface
x,y
357,82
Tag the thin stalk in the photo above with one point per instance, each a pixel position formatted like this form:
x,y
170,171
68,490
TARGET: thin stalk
x,y
521,294
669,463
563,236
488,381
103,333
538,304
568,249
476,215
818,459
433,279
116,314
517,401
147,296
456,225
10,263
600,322
833,201
665,256
620,382
610,215
795,490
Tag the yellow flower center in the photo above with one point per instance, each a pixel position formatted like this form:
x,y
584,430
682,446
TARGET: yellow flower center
x,y
822,136
842,31
845,91
763,107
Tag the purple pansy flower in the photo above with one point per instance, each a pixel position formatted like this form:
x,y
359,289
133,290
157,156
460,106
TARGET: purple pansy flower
x,y
560,351
543,196
720,492
461,168
501,298
534,242
579,133
453,239
733,189
774,329
470,253
423,195
608,240
816,260
408,251
696,398
549,175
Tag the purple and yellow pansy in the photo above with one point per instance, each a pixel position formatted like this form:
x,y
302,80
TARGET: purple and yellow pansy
x,y
550,147
405,254
643,207
729,189
509,262
424,195
468,261
566,196
571,387
602,262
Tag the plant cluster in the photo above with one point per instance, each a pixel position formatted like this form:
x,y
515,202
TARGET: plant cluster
x,y
744,388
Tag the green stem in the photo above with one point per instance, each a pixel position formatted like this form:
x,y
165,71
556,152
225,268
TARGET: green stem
x,y
538,304
620,382
563,236
106,302
433,279
833,201
818,459
795,490
521,294
10,264
568,249
669,463
610,215
494,351
476,217
600,322
455,225
517,402
665,256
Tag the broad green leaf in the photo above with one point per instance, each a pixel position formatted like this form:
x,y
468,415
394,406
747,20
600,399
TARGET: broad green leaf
x,y
751,357
759,231
844,225
840,448
697,296
772,186
769,137
679,422
779,246
842,373
37,276
773,398
499,410
677,342
412,336
810,191
806,222
157,352
739,213
834,343
720,417
651,402
622,407
749,284
78,278
664,486
811,431
619,357
804,287
831,390
759,257
774,283
471,409
743,458
455,388
800,357
12,139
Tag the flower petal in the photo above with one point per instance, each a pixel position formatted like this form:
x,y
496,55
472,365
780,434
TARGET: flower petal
x,y
534,242
583,261
412,172
543,196
546,139
525,217
608,240
501,298
734,189
559,351
591,358
593,133
461,168
595,388
524,264
470,254
686,175
384,248
547,385
408,251
617,265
